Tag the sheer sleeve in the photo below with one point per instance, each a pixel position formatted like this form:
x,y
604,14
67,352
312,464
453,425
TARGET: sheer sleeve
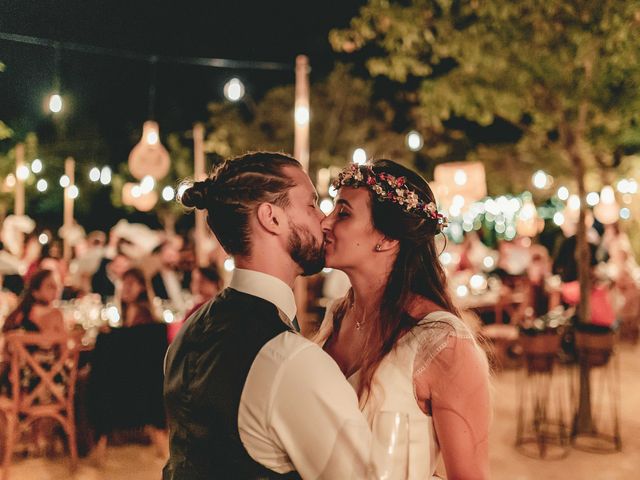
x,y
451,379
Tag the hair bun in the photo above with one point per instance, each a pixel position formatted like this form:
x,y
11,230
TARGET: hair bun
x,y
195,196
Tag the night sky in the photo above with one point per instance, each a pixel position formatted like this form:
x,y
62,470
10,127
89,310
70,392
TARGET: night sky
x,y
112,93
106,98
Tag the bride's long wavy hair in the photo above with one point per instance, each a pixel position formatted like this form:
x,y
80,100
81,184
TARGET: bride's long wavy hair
x,y
416,270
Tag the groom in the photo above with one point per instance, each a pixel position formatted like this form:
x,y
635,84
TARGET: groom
x,y
247,396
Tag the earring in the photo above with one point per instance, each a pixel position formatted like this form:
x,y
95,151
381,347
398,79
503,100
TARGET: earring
x,y
378,248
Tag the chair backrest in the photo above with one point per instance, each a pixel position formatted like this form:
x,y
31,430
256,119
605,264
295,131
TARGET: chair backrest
x,y
43,370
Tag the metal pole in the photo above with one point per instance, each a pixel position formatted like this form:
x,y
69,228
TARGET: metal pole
x,y
69,170
301,153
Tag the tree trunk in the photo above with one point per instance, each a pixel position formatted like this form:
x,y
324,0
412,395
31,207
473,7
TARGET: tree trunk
x,y
583,419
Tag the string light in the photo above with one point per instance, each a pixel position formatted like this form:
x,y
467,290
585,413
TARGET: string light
x,y
168,193
359,156
105,176
22,173
233,90
73,191
563,193
42,185
414,141
94,174
326,206
55,103
36,166
65,181
229,265
593,199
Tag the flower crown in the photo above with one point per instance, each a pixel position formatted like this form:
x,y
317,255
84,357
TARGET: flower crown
x,y
386,187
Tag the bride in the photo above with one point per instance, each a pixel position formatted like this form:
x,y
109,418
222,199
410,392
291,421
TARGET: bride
x,y
396,335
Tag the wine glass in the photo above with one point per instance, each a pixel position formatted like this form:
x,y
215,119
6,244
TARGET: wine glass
x,y
389,446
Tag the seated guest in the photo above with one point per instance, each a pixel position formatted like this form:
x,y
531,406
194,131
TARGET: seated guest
x,y
206,282
134,299
34,312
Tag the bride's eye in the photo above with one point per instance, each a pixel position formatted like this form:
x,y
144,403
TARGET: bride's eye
x,y
343,213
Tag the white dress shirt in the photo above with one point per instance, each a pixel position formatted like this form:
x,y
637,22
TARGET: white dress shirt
x,y
297,411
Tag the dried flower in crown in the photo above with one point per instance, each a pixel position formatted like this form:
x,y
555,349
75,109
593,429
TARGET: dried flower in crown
x,y
388,188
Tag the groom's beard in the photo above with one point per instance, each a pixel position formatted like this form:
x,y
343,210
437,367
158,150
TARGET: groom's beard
x,y
305,250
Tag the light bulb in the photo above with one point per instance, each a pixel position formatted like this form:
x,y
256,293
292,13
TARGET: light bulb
x,y
414,141
94,174
73,191
65,181
42,185
539,179
234,90
607,195
563,193
625,213
105,176
168,193
55,103
147,184
36,166
359,156
593,199
136,191
229,265
10,181
326,206
460,177
22,173
149,157
302,115
43,239
558,218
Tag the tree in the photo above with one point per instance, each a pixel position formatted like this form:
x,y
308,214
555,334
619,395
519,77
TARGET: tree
x,y
344,116
566,75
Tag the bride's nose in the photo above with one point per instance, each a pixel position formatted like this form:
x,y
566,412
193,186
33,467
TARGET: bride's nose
x,y
327,223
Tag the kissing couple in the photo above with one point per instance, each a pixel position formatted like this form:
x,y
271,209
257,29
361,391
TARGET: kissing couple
x,y
249,397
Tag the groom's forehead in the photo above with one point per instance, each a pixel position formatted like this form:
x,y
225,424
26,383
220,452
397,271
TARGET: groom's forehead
x,y
302,185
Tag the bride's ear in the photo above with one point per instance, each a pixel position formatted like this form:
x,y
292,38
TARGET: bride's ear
x,y
386,244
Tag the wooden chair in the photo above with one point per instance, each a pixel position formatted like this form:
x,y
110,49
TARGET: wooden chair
x,y
47,359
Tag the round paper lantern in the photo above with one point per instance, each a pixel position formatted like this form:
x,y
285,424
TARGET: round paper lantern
x,y
146,202
133,196
127,196
149,157
466,179
608,210
528,223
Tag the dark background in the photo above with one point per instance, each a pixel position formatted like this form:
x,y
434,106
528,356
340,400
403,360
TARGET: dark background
x,y
107,98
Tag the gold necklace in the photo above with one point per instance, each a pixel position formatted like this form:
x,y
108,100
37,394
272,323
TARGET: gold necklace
x,y
359,324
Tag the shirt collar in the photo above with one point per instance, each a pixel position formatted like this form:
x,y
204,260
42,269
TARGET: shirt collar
x,y
267,287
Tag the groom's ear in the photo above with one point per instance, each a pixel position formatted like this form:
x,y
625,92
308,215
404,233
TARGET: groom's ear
x,y
270,218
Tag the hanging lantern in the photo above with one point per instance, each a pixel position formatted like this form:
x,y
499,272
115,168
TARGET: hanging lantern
x,y
149,157
466,179
127,196
134,195
607,211
528,223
